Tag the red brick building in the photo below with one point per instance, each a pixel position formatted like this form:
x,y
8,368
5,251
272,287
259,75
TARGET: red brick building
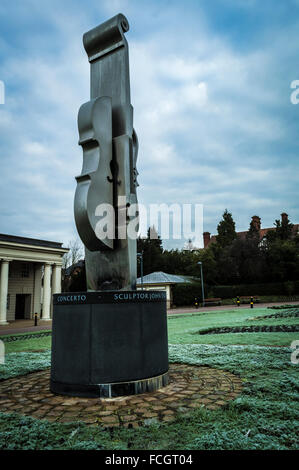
x,y
207,238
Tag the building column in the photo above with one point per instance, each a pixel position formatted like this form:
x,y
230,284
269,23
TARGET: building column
x,y
168,296
56,279
47,293
4,292
37,289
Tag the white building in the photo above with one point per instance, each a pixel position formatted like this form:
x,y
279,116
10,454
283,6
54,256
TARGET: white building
x,y
161,281
30,272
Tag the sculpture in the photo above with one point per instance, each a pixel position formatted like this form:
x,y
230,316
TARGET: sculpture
x,y
112,340
110,148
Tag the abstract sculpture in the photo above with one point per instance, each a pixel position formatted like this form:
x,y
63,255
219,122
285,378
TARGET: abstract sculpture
x,y
110,148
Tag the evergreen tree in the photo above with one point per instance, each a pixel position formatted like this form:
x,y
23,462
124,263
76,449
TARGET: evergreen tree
x,y
152,249
210,267
155,238
249,260
253,232
282,260
226,230
284,228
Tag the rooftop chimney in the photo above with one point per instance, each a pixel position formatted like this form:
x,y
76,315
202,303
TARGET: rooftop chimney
x,y
206,239
284,217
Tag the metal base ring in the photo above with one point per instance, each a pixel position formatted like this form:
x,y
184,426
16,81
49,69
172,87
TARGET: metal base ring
x,y
111,390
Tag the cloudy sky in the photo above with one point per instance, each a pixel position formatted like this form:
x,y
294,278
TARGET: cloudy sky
x,y
210,85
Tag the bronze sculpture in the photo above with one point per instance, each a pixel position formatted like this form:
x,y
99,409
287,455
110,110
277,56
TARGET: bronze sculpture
x,y
110,148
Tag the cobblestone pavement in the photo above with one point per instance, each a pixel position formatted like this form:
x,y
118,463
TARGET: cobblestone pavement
x,y
190,387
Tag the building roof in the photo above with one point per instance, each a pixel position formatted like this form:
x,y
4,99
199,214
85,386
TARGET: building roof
x,y
162,278
29,241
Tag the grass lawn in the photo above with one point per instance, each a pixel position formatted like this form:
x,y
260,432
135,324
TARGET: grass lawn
x,y
265,416
32,344
186,328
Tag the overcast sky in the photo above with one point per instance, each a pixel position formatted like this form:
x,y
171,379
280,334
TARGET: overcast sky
x,y
210,86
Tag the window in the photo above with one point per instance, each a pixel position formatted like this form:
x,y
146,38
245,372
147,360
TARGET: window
x,y
25,270
8,302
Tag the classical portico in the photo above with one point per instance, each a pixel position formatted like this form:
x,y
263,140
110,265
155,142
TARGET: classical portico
x,y
30,272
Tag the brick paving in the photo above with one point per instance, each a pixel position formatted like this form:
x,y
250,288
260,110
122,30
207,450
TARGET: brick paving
x,y
190,387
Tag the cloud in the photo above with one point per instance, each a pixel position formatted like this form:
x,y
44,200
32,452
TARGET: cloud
x,y
214,119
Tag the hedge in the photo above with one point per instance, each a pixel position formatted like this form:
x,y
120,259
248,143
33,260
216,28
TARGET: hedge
x,y
22,337
185,294
287,288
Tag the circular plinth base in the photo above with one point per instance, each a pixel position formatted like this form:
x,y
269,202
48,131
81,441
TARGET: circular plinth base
x,y
109,344
110,390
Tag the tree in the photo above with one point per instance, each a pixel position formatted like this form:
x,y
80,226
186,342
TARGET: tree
x,y
284,228
209,264
226,230
74,254
281,249
227,268
154,238
78,280
172,261
248,258
151,248
253,232
282,258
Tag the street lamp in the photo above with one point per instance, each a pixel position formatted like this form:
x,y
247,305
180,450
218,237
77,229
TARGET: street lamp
x,y
140,256
202,291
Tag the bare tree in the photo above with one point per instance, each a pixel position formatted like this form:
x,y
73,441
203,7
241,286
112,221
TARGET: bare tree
x,y
74,254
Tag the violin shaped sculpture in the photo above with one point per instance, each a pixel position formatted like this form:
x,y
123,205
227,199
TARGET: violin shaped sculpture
x,y
109,174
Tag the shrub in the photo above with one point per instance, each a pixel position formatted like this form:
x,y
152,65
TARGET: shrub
x,y
274,288
185,294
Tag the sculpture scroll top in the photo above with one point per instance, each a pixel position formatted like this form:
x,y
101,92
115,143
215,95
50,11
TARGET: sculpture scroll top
x,y
106,188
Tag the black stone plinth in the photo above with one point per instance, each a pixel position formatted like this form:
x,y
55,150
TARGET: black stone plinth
x,y
109,344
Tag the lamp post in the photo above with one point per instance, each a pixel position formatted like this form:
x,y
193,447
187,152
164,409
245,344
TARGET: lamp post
x,y
140,256
202,290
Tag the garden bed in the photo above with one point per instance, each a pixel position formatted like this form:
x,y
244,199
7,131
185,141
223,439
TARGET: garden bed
x,y
251,329
24,336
